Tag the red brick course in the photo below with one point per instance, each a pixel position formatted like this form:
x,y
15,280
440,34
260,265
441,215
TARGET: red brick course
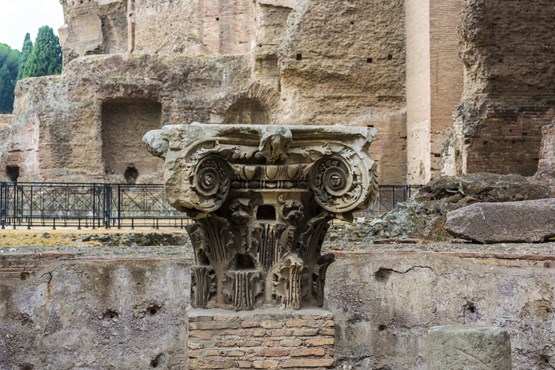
x,y
260,339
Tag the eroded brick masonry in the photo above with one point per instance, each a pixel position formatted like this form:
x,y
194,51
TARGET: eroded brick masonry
x,y
261,339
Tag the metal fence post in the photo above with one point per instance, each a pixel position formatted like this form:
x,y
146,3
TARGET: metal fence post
x,y
3,205
107,205
119,205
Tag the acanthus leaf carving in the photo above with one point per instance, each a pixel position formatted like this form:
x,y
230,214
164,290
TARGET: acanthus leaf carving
x,y
262,198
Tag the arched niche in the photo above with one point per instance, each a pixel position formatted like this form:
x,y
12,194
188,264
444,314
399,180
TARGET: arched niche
x,y
247,111
124,123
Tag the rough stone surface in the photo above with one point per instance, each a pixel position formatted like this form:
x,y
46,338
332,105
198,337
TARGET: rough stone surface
x,y
424,216
57,312
6,122
469,348
97,91
219,62
310,62
383,301
260,339
546,166
507,94
524,221
435,77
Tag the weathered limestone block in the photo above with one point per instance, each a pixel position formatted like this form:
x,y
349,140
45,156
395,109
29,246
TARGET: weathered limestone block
x,y
525,221
546,165
262,198
468,348
85,34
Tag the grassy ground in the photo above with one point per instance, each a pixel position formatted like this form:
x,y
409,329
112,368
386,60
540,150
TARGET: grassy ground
x,y
46,237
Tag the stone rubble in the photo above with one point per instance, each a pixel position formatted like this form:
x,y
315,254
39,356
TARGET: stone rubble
x,y
508,222
424,216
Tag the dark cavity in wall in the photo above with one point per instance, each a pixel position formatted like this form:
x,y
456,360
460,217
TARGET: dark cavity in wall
x,y
153,309
110,315
131,174
124,122
157,361
12,172
266,212
382,274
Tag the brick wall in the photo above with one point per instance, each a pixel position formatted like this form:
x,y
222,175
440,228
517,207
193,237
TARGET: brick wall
x,y
261,339
507,49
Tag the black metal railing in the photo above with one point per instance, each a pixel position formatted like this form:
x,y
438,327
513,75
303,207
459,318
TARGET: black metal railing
x,y
388,197
92,205
86,205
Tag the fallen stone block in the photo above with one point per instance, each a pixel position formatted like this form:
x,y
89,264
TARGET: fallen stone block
x,y
468,348
526,221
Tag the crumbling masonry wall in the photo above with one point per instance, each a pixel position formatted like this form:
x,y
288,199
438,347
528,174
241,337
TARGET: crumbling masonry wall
x,y
64,309
390,64
344,62
65,140
123,125
509,94
278,61
6,122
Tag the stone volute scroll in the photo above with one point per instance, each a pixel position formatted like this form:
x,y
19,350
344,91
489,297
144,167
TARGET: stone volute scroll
x,y
261,198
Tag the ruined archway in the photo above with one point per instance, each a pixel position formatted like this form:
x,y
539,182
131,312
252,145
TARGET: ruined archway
x,y
247,111
124,122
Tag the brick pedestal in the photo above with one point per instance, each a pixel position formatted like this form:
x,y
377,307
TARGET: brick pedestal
x,y
260,339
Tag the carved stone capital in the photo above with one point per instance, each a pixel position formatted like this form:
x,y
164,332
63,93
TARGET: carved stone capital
x,y
262,197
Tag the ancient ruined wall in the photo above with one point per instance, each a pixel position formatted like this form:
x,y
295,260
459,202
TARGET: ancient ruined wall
x,y
157,27
58,311
434,83
124,123
93,27
546,166
344,62
67,139
6,121
446,77
419,103
92,314
384,303
508,53
304,62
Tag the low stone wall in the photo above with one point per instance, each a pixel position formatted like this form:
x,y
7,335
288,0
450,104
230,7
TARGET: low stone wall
x,y
260,339
115,307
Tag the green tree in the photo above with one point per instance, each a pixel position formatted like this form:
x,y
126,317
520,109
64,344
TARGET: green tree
x,y
7,87
24,56
9,61
46,56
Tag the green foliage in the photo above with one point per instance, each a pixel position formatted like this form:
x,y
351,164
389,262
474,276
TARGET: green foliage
x,y
7,86
9,61
46,55
24,56
42,59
